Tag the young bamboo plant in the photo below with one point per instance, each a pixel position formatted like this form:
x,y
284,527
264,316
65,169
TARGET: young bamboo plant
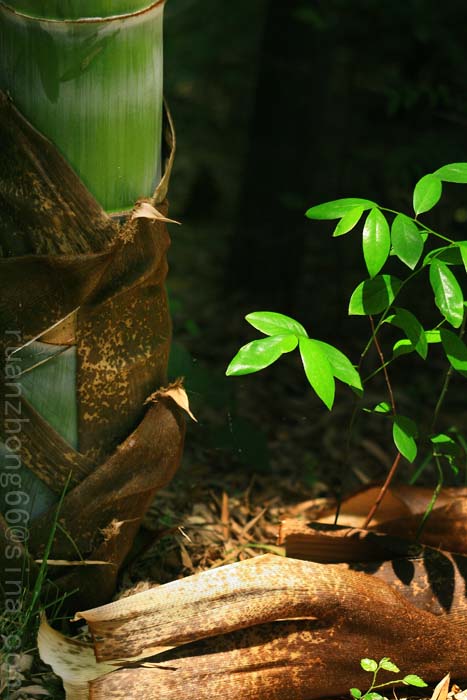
x,y
403,236
88,75
385,664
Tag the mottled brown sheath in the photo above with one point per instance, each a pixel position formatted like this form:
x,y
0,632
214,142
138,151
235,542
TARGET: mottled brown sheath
x,y
275,628
61,254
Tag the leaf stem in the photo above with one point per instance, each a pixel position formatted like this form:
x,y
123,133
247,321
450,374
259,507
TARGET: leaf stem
x,y
382,685
383,491
378,370
395,464
433,500
447,380
385,313
421,468
397,459
383,366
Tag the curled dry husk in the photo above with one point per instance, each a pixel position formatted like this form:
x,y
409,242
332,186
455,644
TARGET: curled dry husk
x,y
72,274
284,628
269,628
401,513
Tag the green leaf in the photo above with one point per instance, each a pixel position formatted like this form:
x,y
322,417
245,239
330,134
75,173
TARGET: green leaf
x,y
455,349
373,696
427,193
445,445
382,407
376,241
407,322
454,172
404,432
341,366
463,250
412,679
448,294
369,665
356,693
348,221
407,241
387,665
449,254
442,439
433,336
338,208
318,370
374,295
272,323
260,354
402,347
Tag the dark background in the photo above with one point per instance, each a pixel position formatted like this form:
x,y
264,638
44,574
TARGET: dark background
x,y
280,105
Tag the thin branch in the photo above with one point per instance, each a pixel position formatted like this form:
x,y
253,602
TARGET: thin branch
x,y
433,500
383,365
447,380
383,491
395,464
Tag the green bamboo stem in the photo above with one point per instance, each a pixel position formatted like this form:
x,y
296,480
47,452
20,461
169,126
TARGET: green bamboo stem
x,y
93,86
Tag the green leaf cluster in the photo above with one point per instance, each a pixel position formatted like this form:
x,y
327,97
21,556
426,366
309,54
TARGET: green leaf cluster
x,y
404,238
450,447
323,363
374,667
385,233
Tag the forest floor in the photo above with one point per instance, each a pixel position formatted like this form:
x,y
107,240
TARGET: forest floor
x,y
264,447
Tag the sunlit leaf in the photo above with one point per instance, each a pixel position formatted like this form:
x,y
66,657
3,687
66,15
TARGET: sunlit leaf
x,y
433,336
356,693
272,323
415,680
387,665
338,208
348,221
382,407
369,665
376,241
402,347
404,433
445,444
463,251
407,241
427,193
406,321
318,370
455,349
448,295
454,172
260,354
341,366
448,254
374,295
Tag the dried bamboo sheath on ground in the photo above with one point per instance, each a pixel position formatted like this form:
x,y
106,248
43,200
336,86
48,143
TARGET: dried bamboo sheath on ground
x,y
269,627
